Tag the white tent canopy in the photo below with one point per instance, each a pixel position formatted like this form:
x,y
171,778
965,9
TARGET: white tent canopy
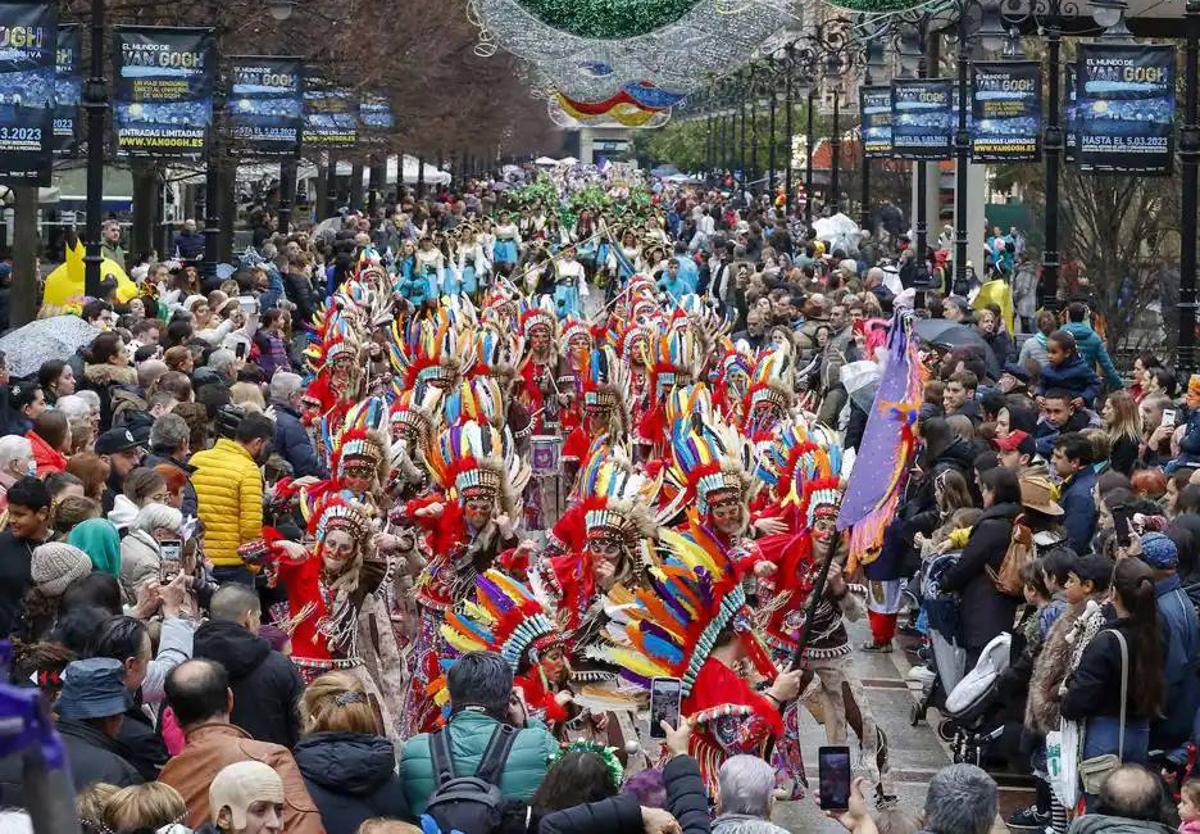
x,y
255,171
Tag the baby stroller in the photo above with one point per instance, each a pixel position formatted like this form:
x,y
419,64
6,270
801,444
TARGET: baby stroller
x,y
971,726
947,659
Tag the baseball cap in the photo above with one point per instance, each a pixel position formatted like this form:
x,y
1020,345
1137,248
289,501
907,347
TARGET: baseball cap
x,y
1015,440
240,785
94,688
116,440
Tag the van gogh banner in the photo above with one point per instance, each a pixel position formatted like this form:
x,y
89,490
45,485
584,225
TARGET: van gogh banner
x,y
876,121
330,116
375,112
922,119
1126,97
266,105
162,105
28,39
1006,111
68,89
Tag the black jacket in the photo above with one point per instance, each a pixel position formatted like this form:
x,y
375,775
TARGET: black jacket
x,y
615,815
686,799
987,612
15,579
299,290
266,686
1094,688
94,757
351,777
140,745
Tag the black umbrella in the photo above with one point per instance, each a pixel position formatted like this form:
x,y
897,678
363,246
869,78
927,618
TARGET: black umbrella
x,y
951,334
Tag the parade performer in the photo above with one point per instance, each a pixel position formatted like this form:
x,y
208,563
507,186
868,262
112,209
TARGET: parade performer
x,y
508,619
506,251
570,287
468,524
772,394
541,367
693,623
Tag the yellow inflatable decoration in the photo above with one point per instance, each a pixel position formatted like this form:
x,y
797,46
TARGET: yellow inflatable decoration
x,y
997,292
64,286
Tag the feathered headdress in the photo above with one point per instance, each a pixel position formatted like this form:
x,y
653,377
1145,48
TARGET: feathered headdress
x,y
497,351
506,618
431,350
677,360
606,384
670,629
538,315
476,459
773,381
616,500
413,415
576,328
709,462
337,511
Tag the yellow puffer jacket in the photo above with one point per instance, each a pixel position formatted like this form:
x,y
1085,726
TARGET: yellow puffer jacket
x,y
229,492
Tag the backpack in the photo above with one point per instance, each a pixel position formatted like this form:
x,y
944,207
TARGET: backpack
x,y
469,804
1020,552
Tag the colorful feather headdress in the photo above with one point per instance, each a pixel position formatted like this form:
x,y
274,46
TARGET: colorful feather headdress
x,y
677,360
505,618
577,329
497,351
709,462
479,399
632,343
605,382
432,350
539,314
773,381
616,500
413,415
337,511
477,459
671,628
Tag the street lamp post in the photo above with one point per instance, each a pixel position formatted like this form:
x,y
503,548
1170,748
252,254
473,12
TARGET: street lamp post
x,y
212,187
95,102
742,140
875,69
962,145
771,148
810,137
1189,152
789,131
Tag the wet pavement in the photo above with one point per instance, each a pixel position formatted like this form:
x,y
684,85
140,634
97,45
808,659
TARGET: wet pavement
x,y
916,752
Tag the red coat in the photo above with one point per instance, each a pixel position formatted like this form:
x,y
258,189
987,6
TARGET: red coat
x,y
47,458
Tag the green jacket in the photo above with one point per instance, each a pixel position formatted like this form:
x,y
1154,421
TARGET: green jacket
x,y
469,735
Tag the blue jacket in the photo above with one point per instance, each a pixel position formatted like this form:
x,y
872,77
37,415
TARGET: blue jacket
x,y
1079,509
1181,650
294,445
1045,432
1091,348
470,733
1074,376
1189,445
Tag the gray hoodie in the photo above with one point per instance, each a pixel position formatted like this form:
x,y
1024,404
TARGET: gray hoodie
x,y
744,824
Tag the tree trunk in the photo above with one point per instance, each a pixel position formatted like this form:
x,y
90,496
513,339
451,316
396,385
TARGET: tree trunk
x,y
145,206
23,303
356,187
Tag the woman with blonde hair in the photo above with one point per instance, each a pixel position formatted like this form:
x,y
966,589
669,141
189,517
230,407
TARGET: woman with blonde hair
x,y
1123,422
348,766
248,396
154,806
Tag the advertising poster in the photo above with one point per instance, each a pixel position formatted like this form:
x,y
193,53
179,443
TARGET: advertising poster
x,y
330,116
876,105
922,119
1006,111
375,112
266,106
162,99
28,44
68,90
1070,113
1126,101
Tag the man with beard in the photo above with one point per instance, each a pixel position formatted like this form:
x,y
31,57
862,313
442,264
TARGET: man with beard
x,y
229,492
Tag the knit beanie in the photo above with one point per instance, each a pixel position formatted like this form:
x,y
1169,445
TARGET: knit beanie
x,y
56,565
1159,552
153,516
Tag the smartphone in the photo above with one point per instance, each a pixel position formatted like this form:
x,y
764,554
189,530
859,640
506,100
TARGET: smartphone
x,y
833,769
170,562
665,697
239,350
1168,418
1122,525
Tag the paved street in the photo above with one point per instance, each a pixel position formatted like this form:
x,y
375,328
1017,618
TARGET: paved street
x,y
916,751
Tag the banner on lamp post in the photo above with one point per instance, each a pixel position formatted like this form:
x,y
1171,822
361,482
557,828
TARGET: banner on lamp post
x,y
330,116
27,52
876,103
922,119
68,89
1071,113
375,112
162,103
1006,111
266,106
1126,108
